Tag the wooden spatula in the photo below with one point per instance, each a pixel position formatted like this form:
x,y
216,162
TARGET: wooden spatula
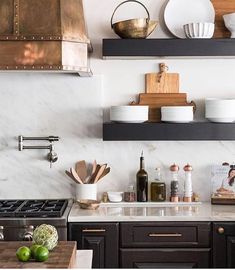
x,y
94,167
75,175
93,176
81,170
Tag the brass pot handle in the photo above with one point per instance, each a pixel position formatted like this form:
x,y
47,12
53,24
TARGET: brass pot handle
x,y
148,19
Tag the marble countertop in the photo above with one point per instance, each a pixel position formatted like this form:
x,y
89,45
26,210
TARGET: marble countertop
x,y
153,212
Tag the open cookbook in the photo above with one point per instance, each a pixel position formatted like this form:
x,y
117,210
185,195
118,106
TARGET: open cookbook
x,y
223,184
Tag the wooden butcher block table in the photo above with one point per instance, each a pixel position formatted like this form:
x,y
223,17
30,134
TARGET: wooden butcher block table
x,y
63,256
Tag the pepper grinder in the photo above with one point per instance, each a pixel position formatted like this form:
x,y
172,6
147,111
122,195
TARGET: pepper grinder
x,y
174,183
188,191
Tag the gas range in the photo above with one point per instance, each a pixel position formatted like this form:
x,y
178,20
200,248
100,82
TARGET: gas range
x,y
18,218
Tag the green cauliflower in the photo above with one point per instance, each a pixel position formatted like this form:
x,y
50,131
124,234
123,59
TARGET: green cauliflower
x,y
45,235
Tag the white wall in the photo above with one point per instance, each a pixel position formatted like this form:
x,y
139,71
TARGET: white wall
x,y
71,107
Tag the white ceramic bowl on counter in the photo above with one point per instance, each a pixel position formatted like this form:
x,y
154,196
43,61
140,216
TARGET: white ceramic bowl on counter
x,y
129,114
199,30
220,110
115,196
177,114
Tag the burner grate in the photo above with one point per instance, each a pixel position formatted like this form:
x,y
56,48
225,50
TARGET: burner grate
x,y
8,208
33,208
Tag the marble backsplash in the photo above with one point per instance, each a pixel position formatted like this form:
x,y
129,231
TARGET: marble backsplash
x,y
64,105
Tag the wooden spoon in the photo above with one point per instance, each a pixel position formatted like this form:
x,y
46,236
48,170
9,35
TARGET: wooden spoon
x,y
75,175
71,176
106,171
99,173
81,170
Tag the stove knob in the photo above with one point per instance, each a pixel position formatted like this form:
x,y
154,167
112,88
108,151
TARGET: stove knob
x,y
1,233
28,236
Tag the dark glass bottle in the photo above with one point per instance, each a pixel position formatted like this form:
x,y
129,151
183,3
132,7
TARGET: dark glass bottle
x,y
158,188
142,182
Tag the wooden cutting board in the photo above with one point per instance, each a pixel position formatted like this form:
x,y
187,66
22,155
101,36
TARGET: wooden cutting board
x,y
222,7
162,82
63,256
156,101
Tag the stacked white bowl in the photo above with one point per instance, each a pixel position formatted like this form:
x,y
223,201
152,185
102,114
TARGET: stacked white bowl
x,y
199,30
220,110
129,114
177,114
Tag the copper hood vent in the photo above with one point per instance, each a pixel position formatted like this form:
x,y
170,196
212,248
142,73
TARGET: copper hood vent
x,y
44,35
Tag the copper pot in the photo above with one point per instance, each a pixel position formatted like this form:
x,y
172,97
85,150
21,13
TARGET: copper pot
x,y
134,28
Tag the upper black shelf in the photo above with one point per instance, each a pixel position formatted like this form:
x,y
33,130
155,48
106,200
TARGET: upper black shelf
x,y
196,131
168,48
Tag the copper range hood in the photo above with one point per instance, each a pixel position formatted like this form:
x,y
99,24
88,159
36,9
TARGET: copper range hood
x,y
44,35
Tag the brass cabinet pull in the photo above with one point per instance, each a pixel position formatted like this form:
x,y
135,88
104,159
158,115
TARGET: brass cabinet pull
x,y
221,230
165,235
93,230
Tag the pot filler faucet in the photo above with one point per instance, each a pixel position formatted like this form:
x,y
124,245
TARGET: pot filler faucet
x,y
52,157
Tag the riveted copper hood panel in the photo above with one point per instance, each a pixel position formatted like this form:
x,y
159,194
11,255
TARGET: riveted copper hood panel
x,y
46,35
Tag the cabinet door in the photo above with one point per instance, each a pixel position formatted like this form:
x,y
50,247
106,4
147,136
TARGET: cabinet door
x,y
224,245
102,238
165,258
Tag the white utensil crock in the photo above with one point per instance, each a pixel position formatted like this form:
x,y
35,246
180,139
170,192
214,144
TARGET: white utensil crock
x,y
86,192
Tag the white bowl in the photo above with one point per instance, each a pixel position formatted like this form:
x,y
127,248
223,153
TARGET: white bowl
x,y
115,196
199,30
129,114
229,21
177,114
220,110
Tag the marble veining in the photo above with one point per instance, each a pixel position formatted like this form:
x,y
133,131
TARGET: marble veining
x,y
203,212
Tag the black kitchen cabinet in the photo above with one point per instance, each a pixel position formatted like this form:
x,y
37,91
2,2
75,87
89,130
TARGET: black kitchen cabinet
x,y
165,258
224,244
165,245
102,238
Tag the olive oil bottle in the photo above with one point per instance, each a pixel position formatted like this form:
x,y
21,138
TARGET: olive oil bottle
x,y
142,182
158,188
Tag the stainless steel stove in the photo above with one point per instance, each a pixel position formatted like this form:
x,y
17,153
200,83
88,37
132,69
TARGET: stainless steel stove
x,y
18,218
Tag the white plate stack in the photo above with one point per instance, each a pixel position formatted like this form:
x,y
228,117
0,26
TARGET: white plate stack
x,y
177,114
129,114
220,110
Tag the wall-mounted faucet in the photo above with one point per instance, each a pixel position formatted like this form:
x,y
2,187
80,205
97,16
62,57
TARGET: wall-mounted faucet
x,y
52,157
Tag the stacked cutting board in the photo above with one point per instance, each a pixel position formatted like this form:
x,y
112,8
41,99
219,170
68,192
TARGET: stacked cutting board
x,y
162,89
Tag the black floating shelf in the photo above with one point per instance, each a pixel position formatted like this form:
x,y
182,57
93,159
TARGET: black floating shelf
x,y
168,48
197,131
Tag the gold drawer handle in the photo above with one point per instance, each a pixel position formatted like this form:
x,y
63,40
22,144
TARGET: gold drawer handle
x,y
93,230
165,235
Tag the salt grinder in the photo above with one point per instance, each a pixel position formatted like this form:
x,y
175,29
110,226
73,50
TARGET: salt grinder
x,y
188,191
174,183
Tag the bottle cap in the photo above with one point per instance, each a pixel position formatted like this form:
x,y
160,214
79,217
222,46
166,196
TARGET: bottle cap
x,y
174,168
188,168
